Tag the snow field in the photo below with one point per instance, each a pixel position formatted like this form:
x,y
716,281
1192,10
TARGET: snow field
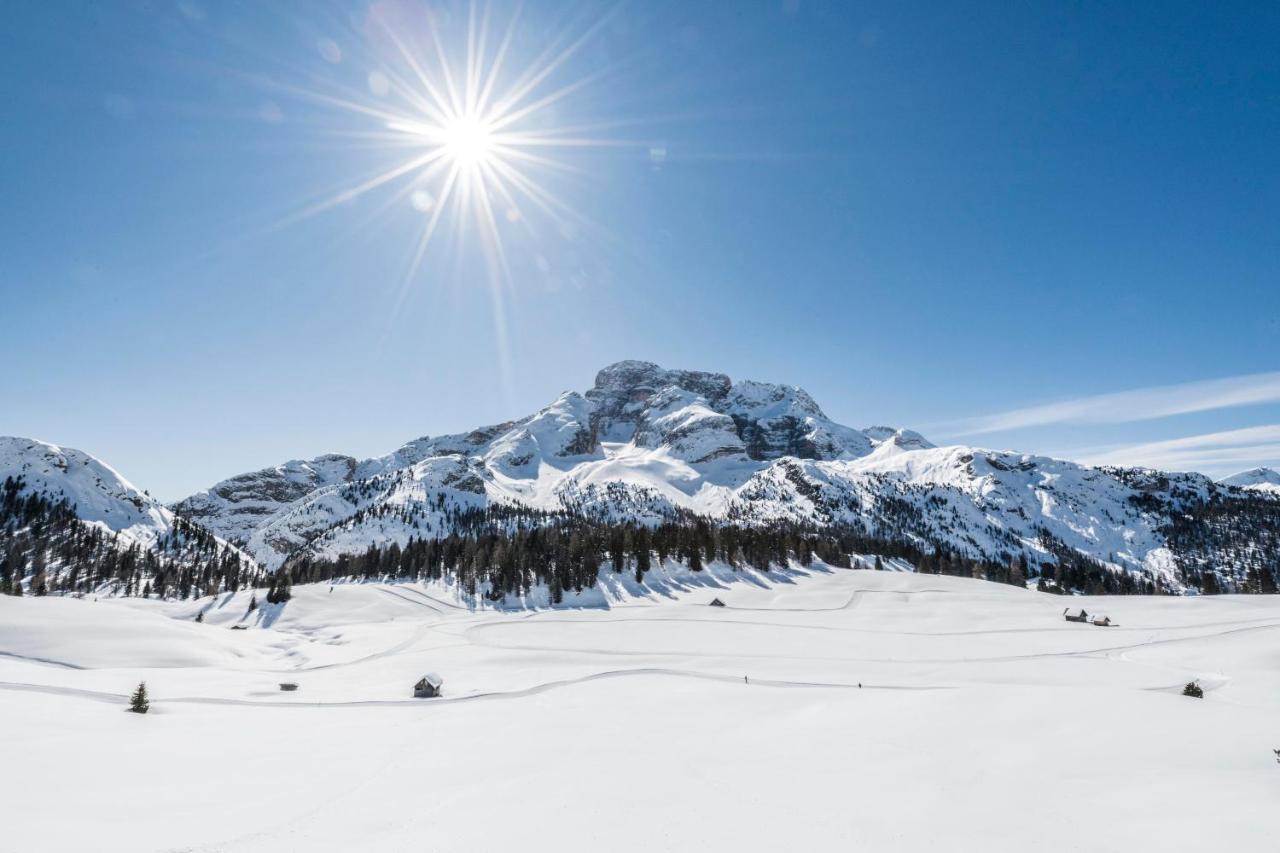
x,y
644,722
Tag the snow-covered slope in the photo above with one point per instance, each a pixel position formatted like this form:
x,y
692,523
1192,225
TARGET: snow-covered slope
x,y
645,444
94,526
1255,479
99,494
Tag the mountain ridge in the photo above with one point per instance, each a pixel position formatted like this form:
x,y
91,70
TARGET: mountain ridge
x,y
1255,479
655,447
70,521
646,444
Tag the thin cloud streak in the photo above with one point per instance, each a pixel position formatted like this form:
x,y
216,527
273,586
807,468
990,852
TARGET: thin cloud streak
x,y
1215,453
1141,404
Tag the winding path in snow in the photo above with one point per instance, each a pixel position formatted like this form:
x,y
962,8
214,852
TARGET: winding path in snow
x,y
746,681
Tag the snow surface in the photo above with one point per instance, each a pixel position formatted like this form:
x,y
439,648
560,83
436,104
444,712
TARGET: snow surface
x,y
643,721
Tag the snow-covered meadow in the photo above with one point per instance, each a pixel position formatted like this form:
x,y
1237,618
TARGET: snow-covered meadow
x,y
820,709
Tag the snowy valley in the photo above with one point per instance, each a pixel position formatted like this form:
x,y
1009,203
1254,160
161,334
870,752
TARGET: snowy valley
x,y
671,612
819,708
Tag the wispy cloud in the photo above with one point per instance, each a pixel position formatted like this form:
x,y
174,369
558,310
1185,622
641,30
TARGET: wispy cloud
x,y
1214,453
1141,404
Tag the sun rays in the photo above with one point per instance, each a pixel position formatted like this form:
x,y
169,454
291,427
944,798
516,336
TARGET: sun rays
x,y
478,130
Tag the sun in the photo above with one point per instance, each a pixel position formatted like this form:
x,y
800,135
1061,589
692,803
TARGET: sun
x,y
469,141
476,134
473,121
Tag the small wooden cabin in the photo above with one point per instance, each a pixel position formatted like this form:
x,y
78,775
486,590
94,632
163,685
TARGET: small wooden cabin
x,y
288,686
1099,619
428,686
1075,614
715,602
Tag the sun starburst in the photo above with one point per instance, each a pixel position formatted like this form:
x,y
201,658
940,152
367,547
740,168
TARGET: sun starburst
x,y
478,131
478,128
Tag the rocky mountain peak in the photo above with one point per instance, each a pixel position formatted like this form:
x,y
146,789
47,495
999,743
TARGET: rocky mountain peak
x,y
636,381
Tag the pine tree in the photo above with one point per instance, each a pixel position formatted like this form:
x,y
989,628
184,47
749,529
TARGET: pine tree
x,y
557,593
138,702
879,564
1194,690
1017,576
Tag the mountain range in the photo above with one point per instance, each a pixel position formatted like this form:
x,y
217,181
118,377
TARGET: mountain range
x,y
649,445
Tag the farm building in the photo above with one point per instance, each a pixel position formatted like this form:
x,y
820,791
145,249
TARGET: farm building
x,y
428,686
1075,614
715,602
1099,619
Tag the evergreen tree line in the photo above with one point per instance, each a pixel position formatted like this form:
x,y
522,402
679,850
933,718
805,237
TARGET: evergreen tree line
x,y
1241,531
571,553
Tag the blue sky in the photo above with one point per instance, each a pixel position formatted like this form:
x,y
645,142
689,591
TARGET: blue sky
x,y
927,215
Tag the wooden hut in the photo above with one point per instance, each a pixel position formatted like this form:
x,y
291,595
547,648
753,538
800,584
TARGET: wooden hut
x,y
715,602
288,686
1075,614
428,686
1099,619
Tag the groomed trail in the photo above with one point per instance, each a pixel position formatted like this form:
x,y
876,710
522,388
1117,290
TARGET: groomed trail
x,y
824,709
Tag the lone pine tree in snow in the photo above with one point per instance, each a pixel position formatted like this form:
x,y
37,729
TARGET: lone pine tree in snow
x,y
1194,690
138,702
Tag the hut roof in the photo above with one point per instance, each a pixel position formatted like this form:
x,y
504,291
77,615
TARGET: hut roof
x,y
433,679
1077,612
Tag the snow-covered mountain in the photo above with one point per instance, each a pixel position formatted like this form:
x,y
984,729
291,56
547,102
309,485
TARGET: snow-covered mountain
x,y
648,444
68,513
236,507
98,493
1255,479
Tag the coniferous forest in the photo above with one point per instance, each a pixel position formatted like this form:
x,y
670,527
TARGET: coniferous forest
x,y
46,548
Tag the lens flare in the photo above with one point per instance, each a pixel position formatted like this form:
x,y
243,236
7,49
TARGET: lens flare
x,y
477,127
478,131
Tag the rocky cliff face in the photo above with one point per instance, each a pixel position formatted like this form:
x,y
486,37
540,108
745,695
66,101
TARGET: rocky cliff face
x,y
701,416
235,507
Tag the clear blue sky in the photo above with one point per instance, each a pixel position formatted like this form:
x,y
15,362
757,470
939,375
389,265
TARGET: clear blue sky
x,y
928,215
